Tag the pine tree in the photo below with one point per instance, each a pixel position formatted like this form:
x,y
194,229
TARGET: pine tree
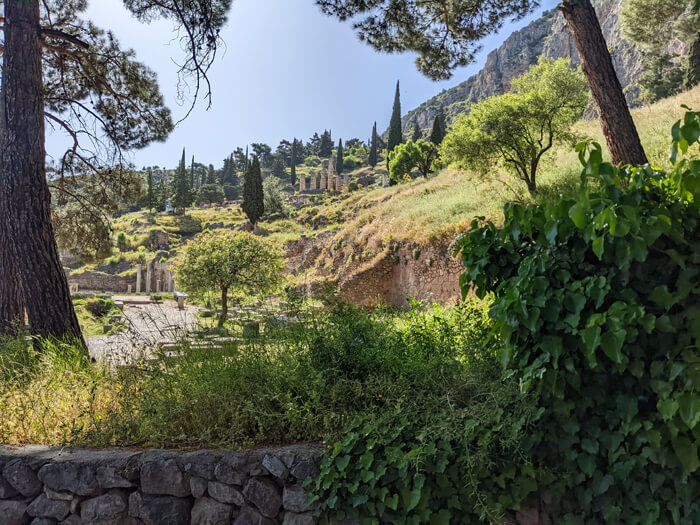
x,y
253,198
183,196
339,158
293,176
438,132
692,76
373,147
326,147
395,133
417,133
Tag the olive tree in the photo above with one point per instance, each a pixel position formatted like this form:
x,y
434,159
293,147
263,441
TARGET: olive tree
x,y
225,261
406,157
516,129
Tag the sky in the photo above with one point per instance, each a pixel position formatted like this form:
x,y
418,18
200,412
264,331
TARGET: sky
x,y
285,71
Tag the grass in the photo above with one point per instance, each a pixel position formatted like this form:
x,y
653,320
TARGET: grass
x,y
295,383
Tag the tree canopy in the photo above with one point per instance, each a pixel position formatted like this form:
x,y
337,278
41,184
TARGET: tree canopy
x,y
518,128
226,261
410,155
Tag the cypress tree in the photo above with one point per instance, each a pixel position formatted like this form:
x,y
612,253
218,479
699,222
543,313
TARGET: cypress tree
x,y
151,195
339,158
373,147
395,133
692,77
293,175
246,158
253,198
417,133
183,196
438,132
193,184
211,175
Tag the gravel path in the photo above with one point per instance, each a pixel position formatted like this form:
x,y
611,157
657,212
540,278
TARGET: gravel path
x,y
147,326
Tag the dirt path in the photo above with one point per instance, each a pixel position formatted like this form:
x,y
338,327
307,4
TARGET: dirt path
x,y
147,325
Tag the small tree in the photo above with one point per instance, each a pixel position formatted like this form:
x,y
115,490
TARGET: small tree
x,y
227,261
406,157
518,128
395,132
273,195
339,158
253,198
326,145
211,194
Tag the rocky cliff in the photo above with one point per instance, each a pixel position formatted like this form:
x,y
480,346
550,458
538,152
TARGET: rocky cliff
x,y
546,36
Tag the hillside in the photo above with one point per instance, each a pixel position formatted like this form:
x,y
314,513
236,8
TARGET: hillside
x,y
546,36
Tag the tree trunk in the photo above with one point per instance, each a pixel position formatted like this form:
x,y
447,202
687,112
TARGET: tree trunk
x,y
615,118
27,203
224,307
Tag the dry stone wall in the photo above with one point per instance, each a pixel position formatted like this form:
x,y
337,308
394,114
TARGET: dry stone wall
x,y
51,486
104,282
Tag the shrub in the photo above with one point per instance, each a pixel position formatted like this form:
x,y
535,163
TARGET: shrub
x,y
596,301
99,307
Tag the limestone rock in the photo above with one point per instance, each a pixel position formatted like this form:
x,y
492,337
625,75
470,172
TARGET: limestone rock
x,y
207,511
294,498
249,516
225,493
43,507
22,478
292,518
265,495
13,512
198,486
73,477
159,510
163,478
106,508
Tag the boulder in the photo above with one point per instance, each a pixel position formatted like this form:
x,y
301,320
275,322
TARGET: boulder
x,y
207,511
275,466
294,498
109,478
22,478
159,510
108,508
7,491
198,486
164,478
72,477
265,495
225,493
231,467
43,507
13,512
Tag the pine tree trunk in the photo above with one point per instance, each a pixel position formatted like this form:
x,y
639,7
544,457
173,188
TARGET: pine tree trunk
x,y
26,209
615,118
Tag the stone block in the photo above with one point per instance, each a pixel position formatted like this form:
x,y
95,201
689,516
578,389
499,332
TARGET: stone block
x,y
275,466
109,478
207,511
22,478
13,512
294,498
225,493
198,486
108,508
159,510
164,478
229,469
250,516
7,491
72,477
265,495
43,507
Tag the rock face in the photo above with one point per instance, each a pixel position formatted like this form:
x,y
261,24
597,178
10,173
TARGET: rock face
x,y
545,36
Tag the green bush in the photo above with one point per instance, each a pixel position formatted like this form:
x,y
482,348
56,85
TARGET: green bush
x,y
596,301
99,307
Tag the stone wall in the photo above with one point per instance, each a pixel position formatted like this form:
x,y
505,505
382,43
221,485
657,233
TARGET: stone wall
x,y
49,486
429,274
104,282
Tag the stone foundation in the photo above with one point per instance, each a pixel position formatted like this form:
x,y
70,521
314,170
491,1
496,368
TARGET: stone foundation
x,y
102,282
49,486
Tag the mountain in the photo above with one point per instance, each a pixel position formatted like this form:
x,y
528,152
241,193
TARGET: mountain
x,y
546,36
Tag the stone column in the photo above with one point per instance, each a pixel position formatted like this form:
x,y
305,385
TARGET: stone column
x,y
313,180
159,284
346,182
385,182
302,183
336,182
149,277
171,284
138,278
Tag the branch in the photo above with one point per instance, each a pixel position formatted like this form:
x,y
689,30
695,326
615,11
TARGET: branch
x,y
55,33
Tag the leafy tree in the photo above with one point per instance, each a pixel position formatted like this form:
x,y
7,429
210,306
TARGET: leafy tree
x,y
437,134
211,194
227,261
325,149
264,154
395,132
339,158
446,34
53,63
410,155
519,127
278,167
240,162
373,147
273,195
183,194
284,151
231,192
253,197
417,133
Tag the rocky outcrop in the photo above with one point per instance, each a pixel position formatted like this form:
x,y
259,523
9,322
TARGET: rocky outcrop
x,y
546,36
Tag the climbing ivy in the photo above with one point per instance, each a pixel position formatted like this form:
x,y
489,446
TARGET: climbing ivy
x,y
597,304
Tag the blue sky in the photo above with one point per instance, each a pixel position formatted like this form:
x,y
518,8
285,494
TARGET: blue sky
x,y
286,70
